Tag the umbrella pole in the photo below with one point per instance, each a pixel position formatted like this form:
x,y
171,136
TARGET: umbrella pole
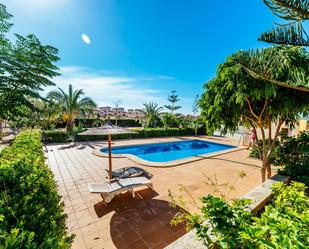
x,y
110,155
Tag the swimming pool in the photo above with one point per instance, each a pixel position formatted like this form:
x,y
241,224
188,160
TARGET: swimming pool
x,y
170,151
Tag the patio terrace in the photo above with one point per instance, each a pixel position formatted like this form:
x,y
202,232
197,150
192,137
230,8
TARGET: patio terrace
x,y
142,222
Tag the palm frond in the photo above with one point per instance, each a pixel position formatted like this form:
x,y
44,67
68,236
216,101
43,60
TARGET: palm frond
x,y
87,102
55,96
76,95
152,108
71,103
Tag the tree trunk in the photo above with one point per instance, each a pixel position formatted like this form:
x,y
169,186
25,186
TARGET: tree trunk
x,y
271,145
70,125
263,172
268,169
264,155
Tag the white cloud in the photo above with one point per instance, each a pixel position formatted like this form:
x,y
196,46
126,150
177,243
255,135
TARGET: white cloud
x,y
106,87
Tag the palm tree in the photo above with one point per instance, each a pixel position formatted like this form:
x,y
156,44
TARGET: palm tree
x,y
72,104
48,112
152,114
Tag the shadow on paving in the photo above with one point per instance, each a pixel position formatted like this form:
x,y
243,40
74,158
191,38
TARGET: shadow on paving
x,y
228,160
141,222
84,145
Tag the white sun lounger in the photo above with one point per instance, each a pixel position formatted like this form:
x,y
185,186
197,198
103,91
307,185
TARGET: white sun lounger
x,y
110,189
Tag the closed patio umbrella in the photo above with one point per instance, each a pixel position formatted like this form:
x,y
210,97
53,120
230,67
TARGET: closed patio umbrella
x,y
108,129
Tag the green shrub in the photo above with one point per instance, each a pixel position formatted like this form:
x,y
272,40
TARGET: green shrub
x,y
125,122
293,156
31,213
91,122
58,136
81,137
55,136
283,224
167,132
255,152
170,120
142,133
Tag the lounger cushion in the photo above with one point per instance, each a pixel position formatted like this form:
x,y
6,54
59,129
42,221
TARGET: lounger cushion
x,y
116,185
127,172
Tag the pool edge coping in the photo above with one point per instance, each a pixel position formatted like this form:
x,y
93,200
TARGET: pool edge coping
x,y
173,163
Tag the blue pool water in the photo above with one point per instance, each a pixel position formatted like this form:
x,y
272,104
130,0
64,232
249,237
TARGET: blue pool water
x,y
165,152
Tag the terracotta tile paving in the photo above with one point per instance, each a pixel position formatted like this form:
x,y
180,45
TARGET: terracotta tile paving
x,y
142,222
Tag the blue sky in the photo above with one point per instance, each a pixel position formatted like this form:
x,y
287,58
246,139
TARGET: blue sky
x,y
140,50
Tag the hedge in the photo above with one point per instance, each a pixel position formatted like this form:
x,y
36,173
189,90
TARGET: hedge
x,y
90,122
31,213
142,133
125,122
56,136
62,136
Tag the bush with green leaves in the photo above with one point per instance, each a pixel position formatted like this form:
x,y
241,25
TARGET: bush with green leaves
x,y
284,223
254,152
170,120
58,136
94,122
166,132
293,156
141,133
55,136
146,133
31,213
